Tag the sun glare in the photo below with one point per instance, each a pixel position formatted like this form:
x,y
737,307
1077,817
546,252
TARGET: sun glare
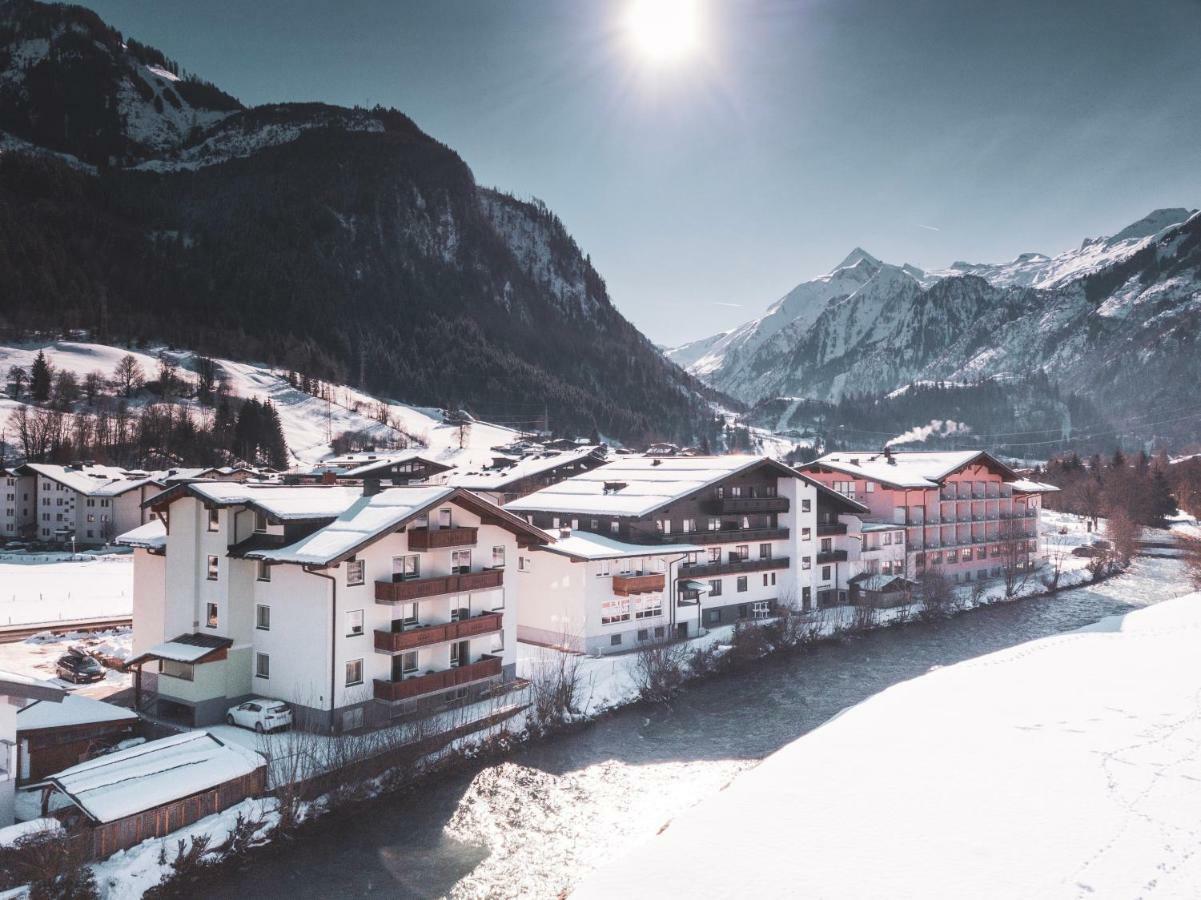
x,y
664,31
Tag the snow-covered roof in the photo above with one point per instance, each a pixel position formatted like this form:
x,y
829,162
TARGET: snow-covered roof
x,y
637,485
151,536
132,781
1026,486
93,481
876,581
498,479
13,684
372,517
881,526
585,545
73,710
298,502
187,648
917,469
359,465
363,521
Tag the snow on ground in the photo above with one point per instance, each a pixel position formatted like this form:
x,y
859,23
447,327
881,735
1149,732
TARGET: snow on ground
x,y
1066,767
37,655
309,422
54,587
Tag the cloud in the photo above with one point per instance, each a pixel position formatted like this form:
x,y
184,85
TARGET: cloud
x,y
732,305
927,227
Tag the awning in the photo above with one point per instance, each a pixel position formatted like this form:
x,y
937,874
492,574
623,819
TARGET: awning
x,y
187,648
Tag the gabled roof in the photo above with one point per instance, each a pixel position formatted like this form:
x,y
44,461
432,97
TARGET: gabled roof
x,y
91,481
187,648
149,775
526,467
362,465
371,518
285,503
841,501
906,468
637,485
1026,486
73,710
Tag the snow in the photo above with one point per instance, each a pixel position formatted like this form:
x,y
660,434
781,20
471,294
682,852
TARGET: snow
x,y
284,502
586,545
130,781
497,479
1066,767
73,710
151,536
13,833
908,469
92,480
365,519
179,651
59,587
650,482
35,658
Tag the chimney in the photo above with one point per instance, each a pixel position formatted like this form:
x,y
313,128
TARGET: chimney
x,y
888,455
329,478
564,532
371,487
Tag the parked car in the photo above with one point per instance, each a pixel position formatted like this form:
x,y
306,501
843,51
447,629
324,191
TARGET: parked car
x,y
78,668
261,715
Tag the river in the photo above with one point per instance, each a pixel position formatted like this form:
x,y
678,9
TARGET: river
x,y
537,823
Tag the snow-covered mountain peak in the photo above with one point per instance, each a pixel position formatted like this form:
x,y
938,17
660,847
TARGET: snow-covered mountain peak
x,y
1151,224
856,257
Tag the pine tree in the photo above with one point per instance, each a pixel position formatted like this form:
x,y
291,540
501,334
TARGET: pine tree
x,y
39,379
275,448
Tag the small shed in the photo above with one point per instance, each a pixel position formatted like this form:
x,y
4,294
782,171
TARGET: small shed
x,y
53,736
873,589
153,789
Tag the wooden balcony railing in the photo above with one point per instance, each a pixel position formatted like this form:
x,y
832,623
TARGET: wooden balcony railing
x,y
624,585
441,538
830,556
422,588
734,567
405,689
425,635
825,529
736,505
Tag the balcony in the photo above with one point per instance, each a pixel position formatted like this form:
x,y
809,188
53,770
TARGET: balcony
x,y
424,635
726,536
424,588
417,685
441,538
831,556
828,529
734,567
624,585
739,505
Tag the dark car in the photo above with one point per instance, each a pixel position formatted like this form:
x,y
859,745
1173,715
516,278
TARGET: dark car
x,y
78,668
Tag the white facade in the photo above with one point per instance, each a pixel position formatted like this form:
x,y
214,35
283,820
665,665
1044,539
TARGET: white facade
x,y
18,504
88,504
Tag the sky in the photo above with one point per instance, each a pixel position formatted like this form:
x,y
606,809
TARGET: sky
x,y
707,186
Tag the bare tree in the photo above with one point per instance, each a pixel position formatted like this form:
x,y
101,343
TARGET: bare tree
x,y
1014,542
1123,533
93,386
128,376
556,689
935,593
659,668
1190,553
17,377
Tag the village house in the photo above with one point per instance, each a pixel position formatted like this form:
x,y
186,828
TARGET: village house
x,y
16,691
18,491
390,469
687,542
53,736
86,504
353,604
511,477
964,513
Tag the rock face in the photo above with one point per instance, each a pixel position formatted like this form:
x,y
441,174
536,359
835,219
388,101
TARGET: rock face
x,y
345,243
1117,319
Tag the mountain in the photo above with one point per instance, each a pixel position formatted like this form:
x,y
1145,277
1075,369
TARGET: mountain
x,y
1115,320
346,244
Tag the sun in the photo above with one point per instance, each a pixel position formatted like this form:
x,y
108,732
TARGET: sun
x,y
664,31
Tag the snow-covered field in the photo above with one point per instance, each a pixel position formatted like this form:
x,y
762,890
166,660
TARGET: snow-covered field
x,y
308,421
54,587
1066,767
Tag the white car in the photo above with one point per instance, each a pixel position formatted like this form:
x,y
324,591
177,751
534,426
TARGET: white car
x,y
261,715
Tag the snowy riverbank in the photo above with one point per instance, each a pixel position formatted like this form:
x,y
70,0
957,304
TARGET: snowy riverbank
x,y
1066,767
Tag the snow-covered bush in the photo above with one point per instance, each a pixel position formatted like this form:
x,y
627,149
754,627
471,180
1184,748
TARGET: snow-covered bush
x,y
659,668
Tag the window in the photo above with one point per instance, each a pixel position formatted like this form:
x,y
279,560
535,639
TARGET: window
x,y
714,524
765,579
212,568
806,534
460,562
806,562
615,610
444,518
827,545
523,564
664,525
614,526
615,640
262,617
603,570
594,525
405,568
262,665
715,587
888,537
354,672
806,505
741,584
871,487
806,597
644,634
714,555
210,618
176,669
735,491
91,517
765,551
744,551
660,631
263,570
214,518
713,617
689,525
498,557
260,521
407,614
554,523
355,572
825,573
354,623
408,662
760,610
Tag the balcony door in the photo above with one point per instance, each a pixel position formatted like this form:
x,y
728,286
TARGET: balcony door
x,y
460,654
406,568
460,562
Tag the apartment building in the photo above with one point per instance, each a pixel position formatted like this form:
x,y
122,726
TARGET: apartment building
x,y
509,478
18,504
680,544
86,504
965,513
354,604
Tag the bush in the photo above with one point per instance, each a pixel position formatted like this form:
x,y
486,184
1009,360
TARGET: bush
x,y
748,643
53,865
659,670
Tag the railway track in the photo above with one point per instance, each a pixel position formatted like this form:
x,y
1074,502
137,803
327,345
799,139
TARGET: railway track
x,y
11,634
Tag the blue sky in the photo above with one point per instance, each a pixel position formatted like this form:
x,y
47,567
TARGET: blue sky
x,y
925,131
